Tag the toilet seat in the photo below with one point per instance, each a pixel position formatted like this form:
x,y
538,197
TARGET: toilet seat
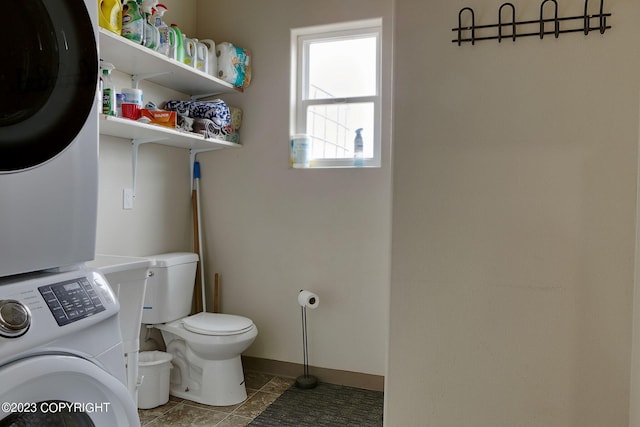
x,y
217,324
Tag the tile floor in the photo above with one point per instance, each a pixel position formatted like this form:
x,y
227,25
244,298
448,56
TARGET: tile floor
x,y
262,390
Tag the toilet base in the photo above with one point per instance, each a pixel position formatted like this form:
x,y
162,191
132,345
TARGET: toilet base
x,y
215,383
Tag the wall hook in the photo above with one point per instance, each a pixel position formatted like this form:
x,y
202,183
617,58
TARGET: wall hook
x,y
603,18
513,21
555,18
530,28
586,17
473,25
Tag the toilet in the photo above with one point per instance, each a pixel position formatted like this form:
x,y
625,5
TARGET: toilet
x,y
206,347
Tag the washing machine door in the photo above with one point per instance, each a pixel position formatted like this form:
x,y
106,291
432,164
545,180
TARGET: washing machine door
x,y
63,390
48,80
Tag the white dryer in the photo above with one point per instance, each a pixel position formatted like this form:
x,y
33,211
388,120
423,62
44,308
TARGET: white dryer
x,y
61,355
48,135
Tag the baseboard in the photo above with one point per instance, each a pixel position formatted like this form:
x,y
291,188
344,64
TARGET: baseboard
x,y
332,376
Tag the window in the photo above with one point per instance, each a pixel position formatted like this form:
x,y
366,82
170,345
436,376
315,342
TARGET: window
x,y
336,90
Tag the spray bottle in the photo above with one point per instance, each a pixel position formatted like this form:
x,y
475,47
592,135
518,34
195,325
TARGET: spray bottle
x,y
358,144
108,90
151,34
163,29
132,22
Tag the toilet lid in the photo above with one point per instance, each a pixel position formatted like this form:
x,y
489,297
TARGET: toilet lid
x,y
217,324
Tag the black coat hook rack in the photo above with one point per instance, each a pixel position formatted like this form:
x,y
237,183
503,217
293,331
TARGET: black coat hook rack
x,y
508,27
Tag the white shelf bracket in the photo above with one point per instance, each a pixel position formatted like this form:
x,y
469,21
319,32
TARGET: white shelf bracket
x,y
192,159
203,95
136,78
135,146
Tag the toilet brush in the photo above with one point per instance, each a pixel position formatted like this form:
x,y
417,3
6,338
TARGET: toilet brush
x,y
305,299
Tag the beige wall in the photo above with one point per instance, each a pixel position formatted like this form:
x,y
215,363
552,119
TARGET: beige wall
x,y
161,218
268,230
513,221
514,216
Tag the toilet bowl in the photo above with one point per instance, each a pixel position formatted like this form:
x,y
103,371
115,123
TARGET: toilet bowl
x,y
206,347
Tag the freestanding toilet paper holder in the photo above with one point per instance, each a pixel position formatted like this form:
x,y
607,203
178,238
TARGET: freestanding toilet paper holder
x,y
305,299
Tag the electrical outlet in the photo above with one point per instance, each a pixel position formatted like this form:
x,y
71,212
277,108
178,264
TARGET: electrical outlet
x,y
127,198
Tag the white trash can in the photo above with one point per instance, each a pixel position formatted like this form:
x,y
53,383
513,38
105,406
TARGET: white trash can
x,y
154,369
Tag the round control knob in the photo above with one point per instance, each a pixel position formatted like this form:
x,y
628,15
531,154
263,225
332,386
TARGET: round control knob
x,y
15,318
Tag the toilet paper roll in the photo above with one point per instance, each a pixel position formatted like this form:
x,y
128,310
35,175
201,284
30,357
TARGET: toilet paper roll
x,y
308,299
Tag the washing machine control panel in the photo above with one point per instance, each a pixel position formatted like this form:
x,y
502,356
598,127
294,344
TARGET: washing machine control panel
x,y
72,300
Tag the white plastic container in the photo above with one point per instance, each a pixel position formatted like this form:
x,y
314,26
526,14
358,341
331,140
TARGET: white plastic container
x,y
154,369
212,68
132,96
300,151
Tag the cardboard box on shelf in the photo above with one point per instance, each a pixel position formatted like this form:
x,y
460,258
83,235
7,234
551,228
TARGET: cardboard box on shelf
x,y
160,117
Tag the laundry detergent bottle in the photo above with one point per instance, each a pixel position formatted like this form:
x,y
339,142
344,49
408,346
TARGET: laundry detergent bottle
x,y
202,56
212,67
132,21
178,44
189,50
110,15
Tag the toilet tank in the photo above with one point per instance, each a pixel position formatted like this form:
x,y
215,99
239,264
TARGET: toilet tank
x,y
169,287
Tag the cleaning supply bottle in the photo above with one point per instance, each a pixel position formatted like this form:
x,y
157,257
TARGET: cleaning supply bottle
x,y
100,87
132,21
212,67
189,51
163,29
110,15
201,56
358,144
151,33
108,90
178,47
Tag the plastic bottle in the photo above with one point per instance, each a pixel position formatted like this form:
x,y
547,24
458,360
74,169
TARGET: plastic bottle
x,y
189,51
100,87
108,90
212,68
132,21
178,47
358,144
201,56
110,15
119,100
163,29
151,34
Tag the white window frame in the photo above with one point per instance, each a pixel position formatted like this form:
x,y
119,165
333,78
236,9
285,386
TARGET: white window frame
x,y
301,38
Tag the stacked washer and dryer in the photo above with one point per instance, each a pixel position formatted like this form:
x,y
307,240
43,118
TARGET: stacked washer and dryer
x,y
61,354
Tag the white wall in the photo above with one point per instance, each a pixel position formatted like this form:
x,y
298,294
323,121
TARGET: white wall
x,y
513,221
269,230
